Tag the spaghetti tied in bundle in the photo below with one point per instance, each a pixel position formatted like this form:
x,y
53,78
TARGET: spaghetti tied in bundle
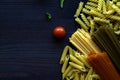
x,y
103,66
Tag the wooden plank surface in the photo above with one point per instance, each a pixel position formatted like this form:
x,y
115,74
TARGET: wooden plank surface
x,y
28,50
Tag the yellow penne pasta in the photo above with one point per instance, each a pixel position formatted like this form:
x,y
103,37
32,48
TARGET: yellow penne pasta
x,y
64,53
89,73
72,76
69,68
67,78
71,51
81,68
74,59
76,76
65,64
95,76
77,13
82,77
70,73
76,71
117,32
82,59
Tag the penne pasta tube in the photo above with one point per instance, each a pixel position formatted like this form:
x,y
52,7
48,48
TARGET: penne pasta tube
x,y
76,76
81,68
89,73
71,51
65,64
64,53
67,78
82,77
74,59
70,73
95,76
69,68
82,59
72,76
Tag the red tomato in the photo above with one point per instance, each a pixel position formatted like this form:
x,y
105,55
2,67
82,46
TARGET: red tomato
x,y
59,32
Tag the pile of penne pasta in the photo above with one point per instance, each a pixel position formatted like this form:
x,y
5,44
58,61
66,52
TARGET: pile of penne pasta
x,y
75,66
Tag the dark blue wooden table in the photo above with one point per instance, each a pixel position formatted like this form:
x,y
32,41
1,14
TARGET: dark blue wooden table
x,y
28,50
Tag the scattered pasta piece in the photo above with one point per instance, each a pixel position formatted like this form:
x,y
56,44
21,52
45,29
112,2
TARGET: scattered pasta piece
x,y
64,54
79,9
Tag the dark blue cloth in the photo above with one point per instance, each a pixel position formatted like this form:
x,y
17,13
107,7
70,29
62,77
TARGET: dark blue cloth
x,y
28,50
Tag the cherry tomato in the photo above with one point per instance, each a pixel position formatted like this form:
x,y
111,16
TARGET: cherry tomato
x,y
59,32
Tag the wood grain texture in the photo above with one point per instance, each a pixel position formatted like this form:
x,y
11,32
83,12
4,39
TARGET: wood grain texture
x,y
28,50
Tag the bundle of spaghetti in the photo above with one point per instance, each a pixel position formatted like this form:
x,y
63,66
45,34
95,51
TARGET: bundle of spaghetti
x,y
83,42
103,66
106,39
